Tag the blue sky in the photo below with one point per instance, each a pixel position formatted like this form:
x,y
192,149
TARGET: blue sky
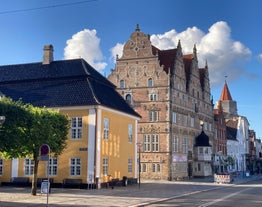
x,y
227,34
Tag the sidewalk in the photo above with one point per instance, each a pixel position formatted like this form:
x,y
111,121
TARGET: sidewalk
x,y
132,195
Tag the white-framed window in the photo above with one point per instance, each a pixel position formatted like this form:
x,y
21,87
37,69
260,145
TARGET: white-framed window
x,y
174,117
153,115
130,133
29,166
192,122
105,166
144,167
129,165
1,166
122,84
153,97
150,82
156,167
179,119
175,143
185,120
155,142
151,143
147,143
106,128
53,166
75,166
184,145
76,128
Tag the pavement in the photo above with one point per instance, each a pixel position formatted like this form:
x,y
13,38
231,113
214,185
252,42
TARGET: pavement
x,y
150,191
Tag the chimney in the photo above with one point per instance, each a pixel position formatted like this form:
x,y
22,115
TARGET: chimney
x,y
48,54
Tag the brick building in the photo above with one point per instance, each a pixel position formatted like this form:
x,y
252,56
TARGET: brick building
x,y
172,94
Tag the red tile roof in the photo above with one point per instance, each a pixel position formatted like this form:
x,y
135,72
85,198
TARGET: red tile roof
x,y
225,95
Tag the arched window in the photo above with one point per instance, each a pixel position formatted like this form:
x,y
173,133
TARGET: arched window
x,y
150,82
128,98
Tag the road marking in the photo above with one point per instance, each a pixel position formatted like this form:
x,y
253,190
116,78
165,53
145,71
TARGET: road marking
x,y
223,198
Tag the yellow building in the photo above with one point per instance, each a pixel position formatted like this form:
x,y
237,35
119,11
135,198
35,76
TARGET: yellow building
x,y
102,141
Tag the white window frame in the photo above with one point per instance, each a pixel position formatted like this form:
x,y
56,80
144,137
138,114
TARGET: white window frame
x,y
105,166
184,145
129,165
175,143
53,166
29,165
75,166
76,128
106,128
174,117
153,116
130,133
155,142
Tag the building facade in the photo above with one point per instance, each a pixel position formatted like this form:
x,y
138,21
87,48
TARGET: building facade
x,y
172,94
103,133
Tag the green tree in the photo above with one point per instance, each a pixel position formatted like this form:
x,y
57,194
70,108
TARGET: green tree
x,y
24,132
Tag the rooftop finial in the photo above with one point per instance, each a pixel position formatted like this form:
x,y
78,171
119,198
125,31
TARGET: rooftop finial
x,y
225,78
137,27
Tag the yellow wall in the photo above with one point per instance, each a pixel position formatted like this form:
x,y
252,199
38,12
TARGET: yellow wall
x,y
117,148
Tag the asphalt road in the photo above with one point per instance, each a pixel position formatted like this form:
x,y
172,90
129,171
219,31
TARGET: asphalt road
x,y
248,194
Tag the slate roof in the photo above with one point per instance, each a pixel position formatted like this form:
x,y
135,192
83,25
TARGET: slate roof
x,y
60,84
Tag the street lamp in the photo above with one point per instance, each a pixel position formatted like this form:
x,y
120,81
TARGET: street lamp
x,y
2,119
139,164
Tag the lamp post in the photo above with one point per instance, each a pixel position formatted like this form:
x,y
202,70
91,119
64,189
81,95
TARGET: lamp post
x,y
139,164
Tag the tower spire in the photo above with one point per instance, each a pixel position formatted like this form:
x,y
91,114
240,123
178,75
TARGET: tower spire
x,y
225,95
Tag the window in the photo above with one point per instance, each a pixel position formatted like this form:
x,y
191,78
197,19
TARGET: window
x,y
52,167
151,143
174,117
150,82
185,120
155,167
144,167
155,143
29,167
1,166
122,84
175,143
146,143
184,145
105,166
179,118
153,115
192,122
153,97
128,98
130,166
130,132
106,128
76,127
75,166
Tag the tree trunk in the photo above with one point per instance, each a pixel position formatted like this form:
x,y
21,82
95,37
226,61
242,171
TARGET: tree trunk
x,y
34,180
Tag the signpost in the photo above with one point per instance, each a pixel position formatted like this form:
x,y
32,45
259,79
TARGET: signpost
x,y
44,152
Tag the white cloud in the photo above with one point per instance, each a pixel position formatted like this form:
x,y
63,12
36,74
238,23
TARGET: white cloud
x,y
85,44
116,50
259,57
223,54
